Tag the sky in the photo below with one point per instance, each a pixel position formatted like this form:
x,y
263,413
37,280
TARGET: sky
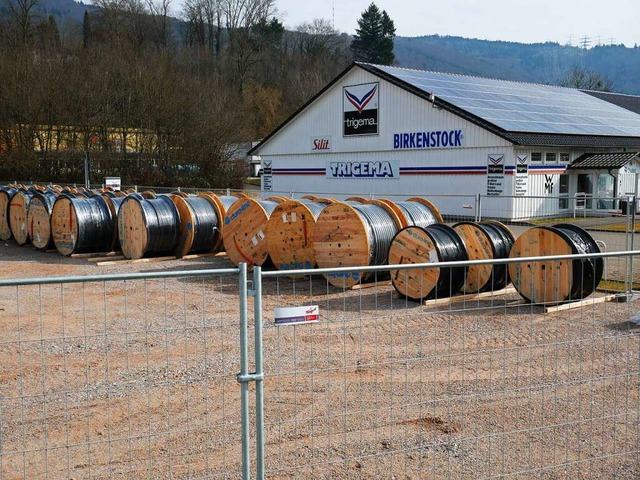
x,y
532,21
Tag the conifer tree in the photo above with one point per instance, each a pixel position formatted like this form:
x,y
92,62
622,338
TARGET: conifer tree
x,y
374,37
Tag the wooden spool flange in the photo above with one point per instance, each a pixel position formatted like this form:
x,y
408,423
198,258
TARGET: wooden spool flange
x,y
480,246
5,201
341,239
357,199
435,243
244,232
92,232
149,194
542,281
187,230
39,222
220,210
413,245
132,230
290,236
18,211
277,198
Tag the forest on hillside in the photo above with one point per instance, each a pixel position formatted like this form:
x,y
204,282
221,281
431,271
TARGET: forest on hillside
x,y
160,96
186,91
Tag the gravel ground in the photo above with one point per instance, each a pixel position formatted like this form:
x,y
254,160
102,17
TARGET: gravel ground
x,y
137,379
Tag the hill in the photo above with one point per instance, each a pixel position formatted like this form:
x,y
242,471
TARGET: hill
x,y
539,62
64,11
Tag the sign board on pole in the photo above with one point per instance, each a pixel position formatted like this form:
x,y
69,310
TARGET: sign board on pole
x,y
112,182
297,315
495,175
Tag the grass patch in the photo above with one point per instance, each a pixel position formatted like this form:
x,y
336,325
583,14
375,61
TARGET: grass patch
x,y
255,181
616,286
621,227
551,220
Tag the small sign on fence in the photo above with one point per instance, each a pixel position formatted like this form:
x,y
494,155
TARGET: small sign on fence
x,y
297,315
112,182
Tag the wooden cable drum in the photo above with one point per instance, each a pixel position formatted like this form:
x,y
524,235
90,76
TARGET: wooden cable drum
x,y
6,194
244,231
199,221
313,198
555,281
435,243
352,236
277,199
114,203
148,227
81,225
120,193
222,203
39,219
485,241
18,211
290,234
149,194
325,200
357,199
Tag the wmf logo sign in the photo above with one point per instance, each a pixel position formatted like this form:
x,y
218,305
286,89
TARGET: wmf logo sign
x,y
360,109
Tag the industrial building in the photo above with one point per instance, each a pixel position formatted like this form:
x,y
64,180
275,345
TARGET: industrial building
x,y
527,149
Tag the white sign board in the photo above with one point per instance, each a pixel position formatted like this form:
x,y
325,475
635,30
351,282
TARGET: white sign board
x,y
267,179
522,175
297,315
112,182
495,175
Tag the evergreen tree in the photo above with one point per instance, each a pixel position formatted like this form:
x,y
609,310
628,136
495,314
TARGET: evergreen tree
x,y
86,29
374,37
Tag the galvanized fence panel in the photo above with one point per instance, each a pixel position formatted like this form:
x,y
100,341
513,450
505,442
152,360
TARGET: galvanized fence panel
x,y
477,387
130,376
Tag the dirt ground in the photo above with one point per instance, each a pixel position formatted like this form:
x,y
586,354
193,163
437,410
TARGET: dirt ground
x,y
137,379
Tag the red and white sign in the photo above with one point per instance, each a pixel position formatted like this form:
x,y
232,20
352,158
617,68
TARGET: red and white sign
x,y
297,315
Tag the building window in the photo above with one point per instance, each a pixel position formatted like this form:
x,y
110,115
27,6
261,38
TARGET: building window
x,y
564,158
536,157
550,157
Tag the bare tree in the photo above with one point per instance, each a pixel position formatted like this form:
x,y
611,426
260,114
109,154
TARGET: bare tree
x,y
585,79
21,11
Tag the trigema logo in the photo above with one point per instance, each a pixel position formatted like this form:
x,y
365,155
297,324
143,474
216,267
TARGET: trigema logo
x,y
360,109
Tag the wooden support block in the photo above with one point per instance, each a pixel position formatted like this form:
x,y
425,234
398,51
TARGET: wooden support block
x,y
361,286
105,259
92,255
579,303
468,298
203,255
138,260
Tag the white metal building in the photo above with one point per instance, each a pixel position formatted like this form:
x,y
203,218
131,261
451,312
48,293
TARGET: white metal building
x,y
392,131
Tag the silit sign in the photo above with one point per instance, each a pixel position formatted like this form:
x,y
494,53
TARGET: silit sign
x,y
360,109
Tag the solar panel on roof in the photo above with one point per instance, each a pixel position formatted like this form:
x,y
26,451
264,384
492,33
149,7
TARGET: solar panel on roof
x,y
519,107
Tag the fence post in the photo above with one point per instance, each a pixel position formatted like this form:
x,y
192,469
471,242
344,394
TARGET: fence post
x,y
244,371
479,207
257,320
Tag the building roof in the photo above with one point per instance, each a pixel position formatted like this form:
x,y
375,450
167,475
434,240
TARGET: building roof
x,y
522,113
522,107
630,102
606,161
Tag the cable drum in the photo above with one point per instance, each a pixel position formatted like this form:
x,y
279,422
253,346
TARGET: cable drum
x,y
82,225
485,241
18,211
244,231
354,235
6,194
39,219
147,226
558,281
199,232
418,214
290,231
435,243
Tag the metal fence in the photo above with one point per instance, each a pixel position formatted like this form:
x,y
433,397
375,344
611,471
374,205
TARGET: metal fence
x,y
136,376
123,376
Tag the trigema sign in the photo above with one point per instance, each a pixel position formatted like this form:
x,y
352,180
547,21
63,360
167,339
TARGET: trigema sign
x,y
360,109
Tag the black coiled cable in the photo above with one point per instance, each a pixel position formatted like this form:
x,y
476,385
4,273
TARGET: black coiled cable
x,y
587,272
162,223
94,224
205,224
381,228
417,214
450,248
